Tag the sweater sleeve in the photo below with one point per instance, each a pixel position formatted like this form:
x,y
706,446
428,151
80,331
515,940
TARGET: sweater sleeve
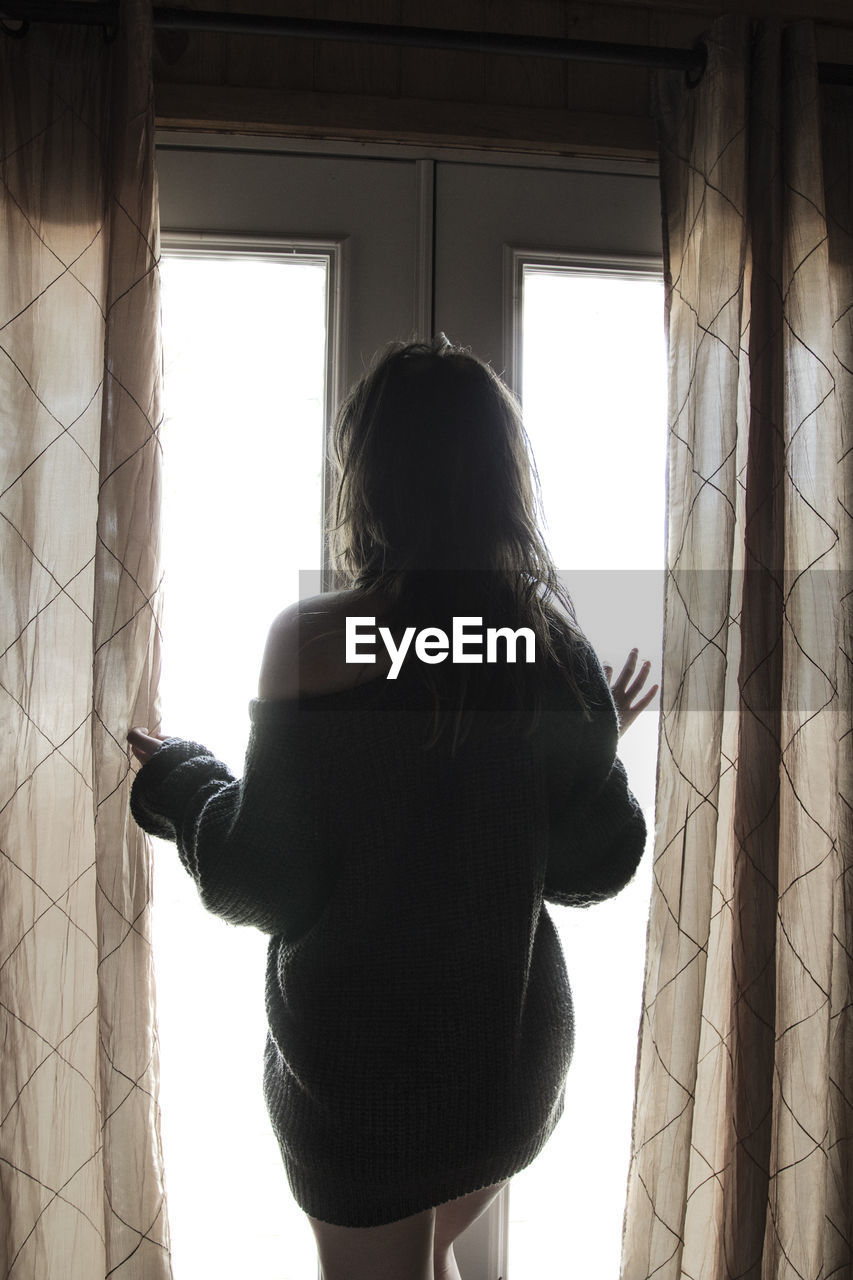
x,y
233,835
597,830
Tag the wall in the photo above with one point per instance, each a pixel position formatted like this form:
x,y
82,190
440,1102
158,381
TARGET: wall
x,y
328,89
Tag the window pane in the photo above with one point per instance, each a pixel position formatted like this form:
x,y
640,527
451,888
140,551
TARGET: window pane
x,y
594,393
245,355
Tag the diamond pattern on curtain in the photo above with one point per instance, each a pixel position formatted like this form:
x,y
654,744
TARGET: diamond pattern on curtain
x,y
743,1162
81,1190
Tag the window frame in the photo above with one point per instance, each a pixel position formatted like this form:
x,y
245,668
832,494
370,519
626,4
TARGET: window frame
x,y
516,261
334,253
489,1236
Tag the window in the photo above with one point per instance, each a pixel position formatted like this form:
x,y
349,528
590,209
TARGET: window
x,y
249,332
590,346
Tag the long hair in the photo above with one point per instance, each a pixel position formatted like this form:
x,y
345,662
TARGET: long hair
x,y
436,507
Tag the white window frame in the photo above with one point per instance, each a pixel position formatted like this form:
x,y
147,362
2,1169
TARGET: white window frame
x,y
334,254
518,259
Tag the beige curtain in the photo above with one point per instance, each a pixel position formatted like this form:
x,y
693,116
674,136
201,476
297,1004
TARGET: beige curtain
x,y
81,1190
743,1161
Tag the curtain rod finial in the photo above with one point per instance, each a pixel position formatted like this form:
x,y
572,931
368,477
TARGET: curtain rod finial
x,y
14,33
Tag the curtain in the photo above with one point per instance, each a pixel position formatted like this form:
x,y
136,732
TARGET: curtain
x,y
81,1187
742,1160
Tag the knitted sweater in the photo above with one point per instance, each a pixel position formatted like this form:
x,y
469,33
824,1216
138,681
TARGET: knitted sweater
x,y
420,1016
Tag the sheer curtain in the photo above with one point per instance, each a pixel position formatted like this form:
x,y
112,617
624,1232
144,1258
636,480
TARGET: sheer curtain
x,y
743,1162
81,1190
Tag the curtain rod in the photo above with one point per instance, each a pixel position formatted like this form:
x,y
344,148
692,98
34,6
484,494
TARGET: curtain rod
x,y
105,13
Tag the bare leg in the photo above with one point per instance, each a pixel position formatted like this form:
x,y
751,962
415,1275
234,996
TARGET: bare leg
x,y
396,1251
447,1268
451,1219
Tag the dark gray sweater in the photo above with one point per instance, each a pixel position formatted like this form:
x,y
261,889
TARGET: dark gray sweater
x,y
420,1017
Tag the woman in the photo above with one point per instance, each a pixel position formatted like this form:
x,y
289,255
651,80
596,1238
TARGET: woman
x,y
405,809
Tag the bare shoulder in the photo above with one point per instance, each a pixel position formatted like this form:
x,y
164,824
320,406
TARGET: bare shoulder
x,y
306,648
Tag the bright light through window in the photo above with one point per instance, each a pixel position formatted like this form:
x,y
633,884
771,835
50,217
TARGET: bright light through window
x,y
594,396
245,352
246,356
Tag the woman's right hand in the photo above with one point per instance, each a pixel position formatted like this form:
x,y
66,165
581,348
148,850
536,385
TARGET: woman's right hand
x,y
624,693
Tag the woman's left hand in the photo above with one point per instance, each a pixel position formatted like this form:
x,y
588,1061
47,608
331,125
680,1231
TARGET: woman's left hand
x,y
143,744
624,692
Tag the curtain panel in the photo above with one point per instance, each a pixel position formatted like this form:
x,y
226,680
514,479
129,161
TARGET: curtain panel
x,y
742,1162
81,1186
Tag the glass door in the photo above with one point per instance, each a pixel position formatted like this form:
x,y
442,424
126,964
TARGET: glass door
x,y
592,374
347,252
248,332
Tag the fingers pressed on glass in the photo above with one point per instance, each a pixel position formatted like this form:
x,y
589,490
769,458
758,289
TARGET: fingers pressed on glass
x,y
627,671
642,677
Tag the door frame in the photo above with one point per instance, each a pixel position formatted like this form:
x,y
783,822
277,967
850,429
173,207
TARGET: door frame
x,y
483,1250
